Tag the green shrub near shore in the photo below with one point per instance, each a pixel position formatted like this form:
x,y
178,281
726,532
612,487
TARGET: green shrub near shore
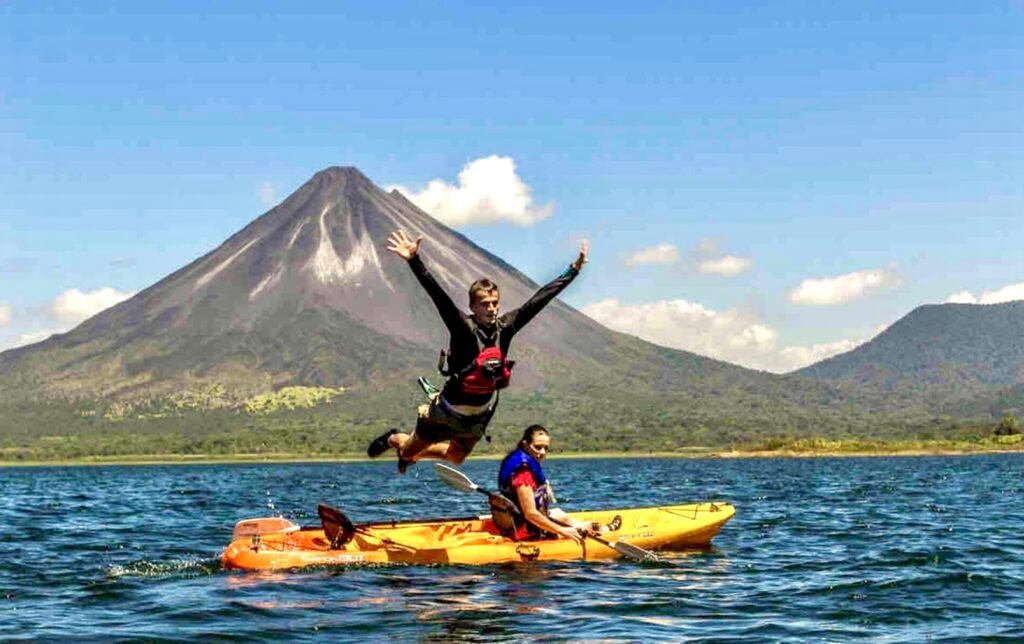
x,y
819,445
322,422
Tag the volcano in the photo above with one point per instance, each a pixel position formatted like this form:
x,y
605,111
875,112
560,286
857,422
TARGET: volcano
x,y
307,294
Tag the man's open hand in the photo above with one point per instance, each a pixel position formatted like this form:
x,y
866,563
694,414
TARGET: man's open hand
x,y
400,244
582,258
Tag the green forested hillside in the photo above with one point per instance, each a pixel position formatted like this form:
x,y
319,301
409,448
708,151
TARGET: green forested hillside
x,y
954,358
586,414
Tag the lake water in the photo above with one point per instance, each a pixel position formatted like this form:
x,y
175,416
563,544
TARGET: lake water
x,y
893,549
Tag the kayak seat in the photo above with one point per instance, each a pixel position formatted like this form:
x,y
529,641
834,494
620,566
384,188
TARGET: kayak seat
x,y
503,513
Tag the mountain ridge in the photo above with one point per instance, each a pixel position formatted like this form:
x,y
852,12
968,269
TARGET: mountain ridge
x,y
945,352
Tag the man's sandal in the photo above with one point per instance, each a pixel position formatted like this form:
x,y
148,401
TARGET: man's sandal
x,y
380,444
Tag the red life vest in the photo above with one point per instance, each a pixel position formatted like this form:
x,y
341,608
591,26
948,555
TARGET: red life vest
x,y
489,372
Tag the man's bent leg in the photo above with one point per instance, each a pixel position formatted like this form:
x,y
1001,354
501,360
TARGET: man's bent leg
x,y
416,447
455,454
459,448
441,436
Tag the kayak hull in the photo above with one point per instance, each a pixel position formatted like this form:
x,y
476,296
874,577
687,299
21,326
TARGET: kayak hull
x,y
476,540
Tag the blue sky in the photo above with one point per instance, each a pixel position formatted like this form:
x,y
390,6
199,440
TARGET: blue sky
x,y
765,183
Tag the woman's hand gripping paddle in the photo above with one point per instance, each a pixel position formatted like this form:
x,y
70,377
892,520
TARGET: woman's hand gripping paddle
x,y
456,479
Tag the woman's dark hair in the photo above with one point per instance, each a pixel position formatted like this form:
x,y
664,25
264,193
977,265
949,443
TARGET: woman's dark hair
x,y
527,438
529,433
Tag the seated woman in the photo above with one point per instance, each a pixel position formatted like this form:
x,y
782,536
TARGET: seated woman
x,y
521,479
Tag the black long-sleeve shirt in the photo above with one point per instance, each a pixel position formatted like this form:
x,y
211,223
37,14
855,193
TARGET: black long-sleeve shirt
x,y
463,347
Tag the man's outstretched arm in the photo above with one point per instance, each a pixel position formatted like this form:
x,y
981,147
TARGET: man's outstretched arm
x,y
408,249
517,319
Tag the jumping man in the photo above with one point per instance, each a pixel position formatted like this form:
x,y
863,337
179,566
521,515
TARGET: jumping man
x,y
477,359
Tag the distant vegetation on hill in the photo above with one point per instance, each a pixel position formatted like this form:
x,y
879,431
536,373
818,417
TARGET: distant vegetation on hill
x,y
948,355
585,417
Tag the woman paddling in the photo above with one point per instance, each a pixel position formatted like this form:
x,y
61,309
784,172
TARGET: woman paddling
x,y
521,479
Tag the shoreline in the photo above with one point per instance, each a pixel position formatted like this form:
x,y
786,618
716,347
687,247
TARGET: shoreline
x,y
696,453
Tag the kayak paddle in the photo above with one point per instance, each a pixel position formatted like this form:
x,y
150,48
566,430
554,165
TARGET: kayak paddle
x,y
626,549
261,526
339,529
458,480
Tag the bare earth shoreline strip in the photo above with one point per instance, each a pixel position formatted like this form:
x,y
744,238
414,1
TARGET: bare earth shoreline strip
x,y
238,459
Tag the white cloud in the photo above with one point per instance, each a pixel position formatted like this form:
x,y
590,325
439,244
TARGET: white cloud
x,y
68,309
35,336
963,297
74,306
1008,293
731,335
709,259
488,192
726,265
844,288
268,196
705,258
25,338
727,335
5,314
795,357
660,254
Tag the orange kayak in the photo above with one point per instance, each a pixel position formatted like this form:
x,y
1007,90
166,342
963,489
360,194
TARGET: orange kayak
x,y
275,543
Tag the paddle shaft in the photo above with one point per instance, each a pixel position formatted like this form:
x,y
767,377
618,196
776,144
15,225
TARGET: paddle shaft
x,y
626,549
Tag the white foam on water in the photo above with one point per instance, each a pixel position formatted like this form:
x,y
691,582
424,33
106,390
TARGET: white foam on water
x,y
193,567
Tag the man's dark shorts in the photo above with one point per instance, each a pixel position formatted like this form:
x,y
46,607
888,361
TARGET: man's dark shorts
x,y
437,423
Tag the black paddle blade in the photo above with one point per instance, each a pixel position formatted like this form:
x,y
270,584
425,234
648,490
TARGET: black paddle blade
x,y
627,549
338,528
634,552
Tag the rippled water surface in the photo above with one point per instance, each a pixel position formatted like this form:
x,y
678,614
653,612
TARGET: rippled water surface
x,y
895,549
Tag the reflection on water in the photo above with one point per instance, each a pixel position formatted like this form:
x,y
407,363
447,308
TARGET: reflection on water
x,y
820,549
